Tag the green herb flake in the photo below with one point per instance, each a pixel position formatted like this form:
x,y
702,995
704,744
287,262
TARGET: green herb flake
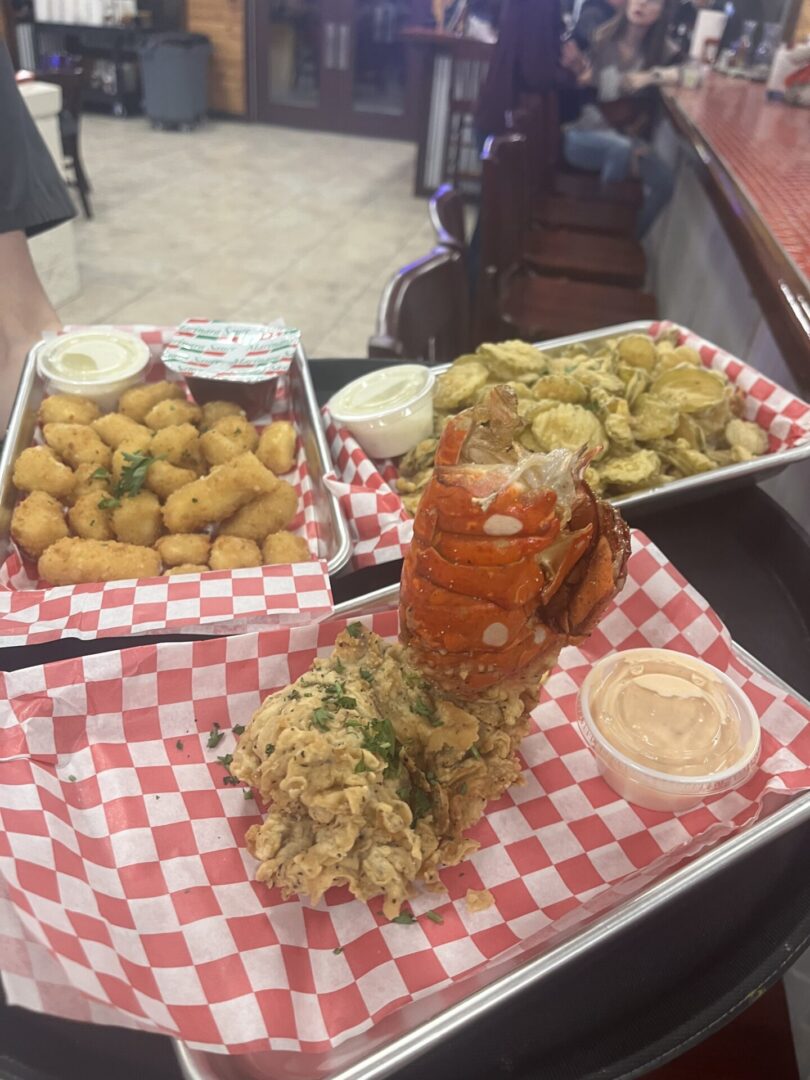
x,y
354,629
405,918
434,918
420,804
339,668
337,951
321,719
238,729
230,781
361,766
347,703
380,739
474,752
101,474
366,675
293,695
72,779
225,760
248,793
421,708
133,474
108,503
268,750
179,744
215,736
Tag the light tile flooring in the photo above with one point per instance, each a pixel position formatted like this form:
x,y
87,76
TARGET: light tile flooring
x,y
245,221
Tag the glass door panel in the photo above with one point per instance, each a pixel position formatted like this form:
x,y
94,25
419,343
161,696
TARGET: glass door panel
x,y
295,53
378,63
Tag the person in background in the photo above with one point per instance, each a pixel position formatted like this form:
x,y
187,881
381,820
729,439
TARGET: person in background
x,y
611,134
592,15
33,198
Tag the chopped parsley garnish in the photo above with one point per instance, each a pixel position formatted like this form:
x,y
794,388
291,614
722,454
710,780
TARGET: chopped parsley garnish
x,y
215,736
133,474
179,744
321,718
101,474
404,793
419,803
108,503
225,760
293,695
473,752
347,703
380,739
405,918
354,629
72,778
334,689
248,793
366,675
230,780
238,729
339,668
269,748
434,917
337,951
421,708
361,766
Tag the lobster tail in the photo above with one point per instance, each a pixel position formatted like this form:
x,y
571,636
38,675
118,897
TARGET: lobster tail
x,y
513,556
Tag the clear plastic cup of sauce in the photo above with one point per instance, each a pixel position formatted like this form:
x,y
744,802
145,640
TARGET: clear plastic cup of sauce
x,y
100,363
389,410
667,729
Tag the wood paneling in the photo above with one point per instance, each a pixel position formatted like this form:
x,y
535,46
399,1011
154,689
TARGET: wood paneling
x,y
803,25
223,21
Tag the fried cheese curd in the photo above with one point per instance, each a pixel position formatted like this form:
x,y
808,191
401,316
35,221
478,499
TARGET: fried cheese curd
x,y
370,775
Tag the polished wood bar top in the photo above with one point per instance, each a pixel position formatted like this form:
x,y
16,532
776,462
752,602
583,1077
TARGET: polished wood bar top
x,y
755,163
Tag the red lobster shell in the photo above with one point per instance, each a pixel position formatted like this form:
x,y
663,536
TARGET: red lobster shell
x,y
513,556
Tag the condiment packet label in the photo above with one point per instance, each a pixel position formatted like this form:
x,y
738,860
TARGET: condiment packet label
x,y
238,352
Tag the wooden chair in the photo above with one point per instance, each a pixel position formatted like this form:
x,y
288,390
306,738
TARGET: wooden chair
x,y
511,300
611,260
447,217
424,311
71,81
592,214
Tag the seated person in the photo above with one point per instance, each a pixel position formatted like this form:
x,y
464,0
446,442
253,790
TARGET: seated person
x,y
611,134
592,15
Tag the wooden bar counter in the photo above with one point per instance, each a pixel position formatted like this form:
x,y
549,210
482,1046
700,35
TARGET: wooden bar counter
x,y
753,161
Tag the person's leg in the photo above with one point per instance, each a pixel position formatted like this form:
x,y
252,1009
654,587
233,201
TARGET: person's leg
x,y
607,152
656,177
25,312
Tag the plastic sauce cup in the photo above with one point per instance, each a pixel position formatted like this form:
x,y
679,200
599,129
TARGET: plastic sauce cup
x,y
388,411
648,787
99,364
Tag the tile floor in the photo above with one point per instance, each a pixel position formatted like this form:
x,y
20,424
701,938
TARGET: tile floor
x,y
244,221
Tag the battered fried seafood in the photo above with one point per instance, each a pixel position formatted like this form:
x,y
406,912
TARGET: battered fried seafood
x,y
375,762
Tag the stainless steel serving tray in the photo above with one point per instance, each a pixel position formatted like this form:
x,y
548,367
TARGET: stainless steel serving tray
x,y
723,478
332,529
421,1025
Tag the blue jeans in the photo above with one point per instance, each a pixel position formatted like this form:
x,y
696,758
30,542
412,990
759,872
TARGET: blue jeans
x,y
611,154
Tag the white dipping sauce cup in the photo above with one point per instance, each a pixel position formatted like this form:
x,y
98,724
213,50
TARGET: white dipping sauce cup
x,y
660,790
99,364
390,431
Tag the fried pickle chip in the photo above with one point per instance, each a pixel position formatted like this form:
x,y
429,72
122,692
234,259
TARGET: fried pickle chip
x,y
653,418
459,385
517,360
689,429
685,354
638,470
690,389
420,458
635,380
749,436
570,427
560,388
39,469
682,458
616,420
670,336
594,480
637,350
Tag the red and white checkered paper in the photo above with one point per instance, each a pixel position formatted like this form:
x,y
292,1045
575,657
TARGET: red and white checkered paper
x,y
217,602
128,896
381,528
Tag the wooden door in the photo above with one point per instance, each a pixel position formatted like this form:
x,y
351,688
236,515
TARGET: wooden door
x,y
223,22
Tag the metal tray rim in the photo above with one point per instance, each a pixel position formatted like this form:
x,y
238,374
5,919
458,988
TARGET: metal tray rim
x,y
719,477
403,1049
343,551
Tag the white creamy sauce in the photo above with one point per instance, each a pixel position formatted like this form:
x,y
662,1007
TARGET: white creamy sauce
x,y
92,357
381,391
502,525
